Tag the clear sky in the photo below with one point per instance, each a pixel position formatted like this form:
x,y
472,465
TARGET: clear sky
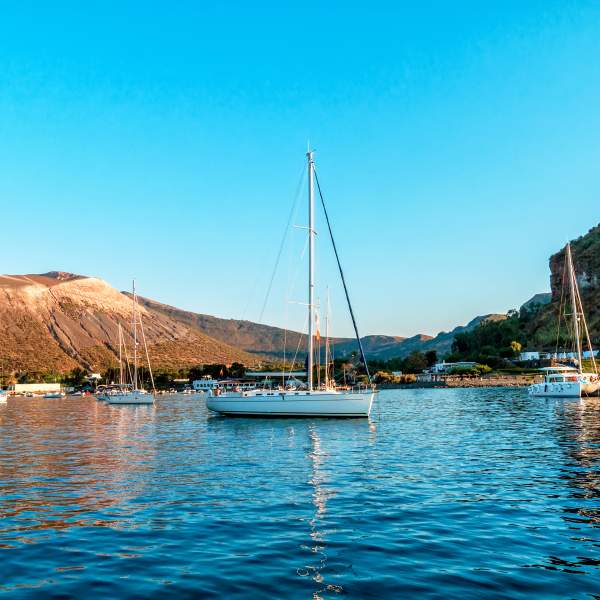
x,y
458,144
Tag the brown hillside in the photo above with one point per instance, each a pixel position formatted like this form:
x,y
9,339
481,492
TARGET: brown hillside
x,y
57,321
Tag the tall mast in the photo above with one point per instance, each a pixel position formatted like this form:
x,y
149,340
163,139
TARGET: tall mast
x,y
311,264
574,305
135,365
327,343
121,382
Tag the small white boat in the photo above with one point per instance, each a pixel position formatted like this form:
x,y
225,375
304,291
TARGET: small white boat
x,y
314,401
125,393
3,396
54,395
563,381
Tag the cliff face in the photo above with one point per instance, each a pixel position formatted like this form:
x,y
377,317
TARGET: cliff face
x,y
586,259
542,329
58,321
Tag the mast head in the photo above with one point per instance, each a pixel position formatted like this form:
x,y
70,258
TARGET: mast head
x,y
309,153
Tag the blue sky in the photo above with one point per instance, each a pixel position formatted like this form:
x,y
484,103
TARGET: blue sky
x,y
458,144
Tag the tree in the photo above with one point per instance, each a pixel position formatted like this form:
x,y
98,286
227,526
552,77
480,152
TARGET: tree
x,y
76,377
237,370
431,357
383,377
515,346
415,362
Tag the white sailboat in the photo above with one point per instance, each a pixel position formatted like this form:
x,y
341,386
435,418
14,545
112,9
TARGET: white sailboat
x,y
132,393
564,381
326,401
104,391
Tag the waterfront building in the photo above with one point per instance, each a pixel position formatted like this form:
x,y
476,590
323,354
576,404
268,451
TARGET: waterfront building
x,y
35,388
526,356
447,367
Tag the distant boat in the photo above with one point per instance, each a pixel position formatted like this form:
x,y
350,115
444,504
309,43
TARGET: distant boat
x,y
54,395
3,396
103,391
564,381
326,401
132,393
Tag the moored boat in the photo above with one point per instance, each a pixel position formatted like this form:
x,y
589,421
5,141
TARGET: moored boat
x,y
564,381
132,393
291,403
314,401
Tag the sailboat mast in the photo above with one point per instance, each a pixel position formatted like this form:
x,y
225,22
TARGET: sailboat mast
x,y
327,343
135,365
311,264
574,305
121,355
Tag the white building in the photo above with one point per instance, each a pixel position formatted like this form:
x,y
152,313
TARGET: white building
x,y
35,388
525,356
205,384
445,367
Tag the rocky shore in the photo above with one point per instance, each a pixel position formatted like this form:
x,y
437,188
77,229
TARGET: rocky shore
x,y
472,382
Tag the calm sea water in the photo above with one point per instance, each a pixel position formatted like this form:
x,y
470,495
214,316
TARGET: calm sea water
x,y
442,493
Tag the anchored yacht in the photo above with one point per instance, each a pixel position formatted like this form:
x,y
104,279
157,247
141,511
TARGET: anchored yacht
x,y
125,393
564,381
314,401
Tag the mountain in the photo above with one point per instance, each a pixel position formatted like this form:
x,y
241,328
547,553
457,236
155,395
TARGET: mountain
x,y
537,301
251,337
268,340
58,321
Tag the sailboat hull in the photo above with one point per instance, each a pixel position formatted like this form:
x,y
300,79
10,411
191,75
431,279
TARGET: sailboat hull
x,y
294,404
134,397
564,389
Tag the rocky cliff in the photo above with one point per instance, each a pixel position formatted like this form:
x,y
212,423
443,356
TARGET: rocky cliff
x,y
541,329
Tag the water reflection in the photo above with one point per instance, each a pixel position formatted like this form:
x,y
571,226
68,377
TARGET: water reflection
x,y
465,493
578,433
64,464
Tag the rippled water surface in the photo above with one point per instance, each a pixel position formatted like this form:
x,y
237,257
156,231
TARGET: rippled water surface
x,y
442,493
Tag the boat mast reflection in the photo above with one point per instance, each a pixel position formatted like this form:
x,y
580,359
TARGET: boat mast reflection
x,y
320,496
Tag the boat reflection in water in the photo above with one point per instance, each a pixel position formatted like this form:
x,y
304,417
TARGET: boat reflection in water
x,y
578,433
319,568
320,496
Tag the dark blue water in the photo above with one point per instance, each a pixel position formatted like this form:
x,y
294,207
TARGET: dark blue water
x,y
442,493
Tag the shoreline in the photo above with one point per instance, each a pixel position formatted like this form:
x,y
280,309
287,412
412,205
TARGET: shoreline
x,y
458,382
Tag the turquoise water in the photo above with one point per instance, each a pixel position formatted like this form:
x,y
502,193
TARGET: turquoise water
x,y
442,493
